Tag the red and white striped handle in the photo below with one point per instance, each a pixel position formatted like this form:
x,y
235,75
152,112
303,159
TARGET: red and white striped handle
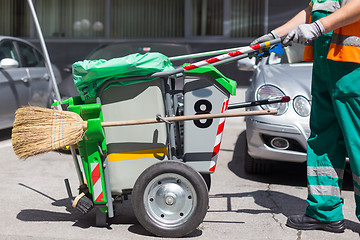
x,y
240,51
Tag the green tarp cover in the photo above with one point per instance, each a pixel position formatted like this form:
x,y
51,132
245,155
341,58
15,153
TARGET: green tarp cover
x,y
88,75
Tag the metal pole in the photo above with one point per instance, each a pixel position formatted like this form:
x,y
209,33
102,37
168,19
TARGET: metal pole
x,y
203,54
44,49
110,204
53,81
222,51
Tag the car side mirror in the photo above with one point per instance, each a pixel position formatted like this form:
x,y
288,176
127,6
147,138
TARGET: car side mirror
x,y
247,64
7,63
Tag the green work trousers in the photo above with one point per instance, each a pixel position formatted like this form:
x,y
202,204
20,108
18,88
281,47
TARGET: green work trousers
x,y
335,132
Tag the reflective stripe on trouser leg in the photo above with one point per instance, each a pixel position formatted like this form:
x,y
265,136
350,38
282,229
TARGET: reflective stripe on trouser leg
x,y
326,148
323,180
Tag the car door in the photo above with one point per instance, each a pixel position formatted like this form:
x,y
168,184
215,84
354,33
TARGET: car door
x,y
14,85
34,63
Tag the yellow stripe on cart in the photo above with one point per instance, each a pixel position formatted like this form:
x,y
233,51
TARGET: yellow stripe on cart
x,y
158,152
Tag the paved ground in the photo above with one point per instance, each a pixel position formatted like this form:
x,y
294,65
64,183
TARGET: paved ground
x,y
34,202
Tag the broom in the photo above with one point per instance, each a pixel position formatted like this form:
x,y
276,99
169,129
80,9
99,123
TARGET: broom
x,y
38,130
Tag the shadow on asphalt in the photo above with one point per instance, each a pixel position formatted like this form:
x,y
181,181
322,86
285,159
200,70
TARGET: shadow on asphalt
x,y
283,173
281,203
123,215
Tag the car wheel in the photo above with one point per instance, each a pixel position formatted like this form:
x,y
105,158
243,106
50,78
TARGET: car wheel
x,y
170,199
254,166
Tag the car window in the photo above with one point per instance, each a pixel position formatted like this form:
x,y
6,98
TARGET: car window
x,y
31,57
8,50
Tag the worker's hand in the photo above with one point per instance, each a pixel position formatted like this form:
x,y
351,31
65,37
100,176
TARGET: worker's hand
x,y
267,37
305,33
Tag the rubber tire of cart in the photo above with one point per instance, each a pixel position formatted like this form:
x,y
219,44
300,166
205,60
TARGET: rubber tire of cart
x,y
254,166
152,185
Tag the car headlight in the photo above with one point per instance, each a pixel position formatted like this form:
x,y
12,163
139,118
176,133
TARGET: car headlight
x,y
302,106
268,92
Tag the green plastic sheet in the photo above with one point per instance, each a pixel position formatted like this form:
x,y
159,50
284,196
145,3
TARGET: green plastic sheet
x,y
88,75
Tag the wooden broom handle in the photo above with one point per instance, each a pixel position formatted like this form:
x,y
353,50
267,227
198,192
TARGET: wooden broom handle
x,y
185,118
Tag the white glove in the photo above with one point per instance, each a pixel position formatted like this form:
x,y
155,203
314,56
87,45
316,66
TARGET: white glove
x,y
267,37
305,33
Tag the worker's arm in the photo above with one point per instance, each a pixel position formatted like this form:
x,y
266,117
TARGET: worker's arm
x,y
346,15
305,33
301,18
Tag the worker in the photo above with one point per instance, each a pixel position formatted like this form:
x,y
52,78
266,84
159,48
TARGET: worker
x,y
331,28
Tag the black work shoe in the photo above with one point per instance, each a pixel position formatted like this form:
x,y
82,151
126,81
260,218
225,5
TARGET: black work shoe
x,y
303,222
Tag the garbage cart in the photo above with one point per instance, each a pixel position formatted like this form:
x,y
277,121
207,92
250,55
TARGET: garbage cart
x,y
164,166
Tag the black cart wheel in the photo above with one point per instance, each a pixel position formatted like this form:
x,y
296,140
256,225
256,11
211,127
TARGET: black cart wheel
x,y
170,199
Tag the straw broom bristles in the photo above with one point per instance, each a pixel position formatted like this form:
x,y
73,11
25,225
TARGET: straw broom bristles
x,y
38,130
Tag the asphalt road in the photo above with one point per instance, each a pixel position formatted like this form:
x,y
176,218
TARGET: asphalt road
x,y
34,202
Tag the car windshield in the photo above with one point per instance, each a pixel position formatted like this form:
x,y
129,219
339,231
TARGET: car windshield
x,y
110,51
292,54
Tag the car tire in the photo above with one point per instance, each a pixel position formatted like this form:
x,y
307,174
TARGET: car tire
x,y
254,166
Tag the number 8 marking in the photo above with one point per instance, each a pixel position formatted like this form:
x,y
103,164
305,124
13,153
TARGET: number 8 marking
x,y
208,108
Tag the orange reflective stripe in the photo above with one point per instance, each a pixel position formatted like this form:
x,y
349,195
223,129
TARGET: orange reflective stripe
x,y
309,49
345,46
344,53
308,53
349,30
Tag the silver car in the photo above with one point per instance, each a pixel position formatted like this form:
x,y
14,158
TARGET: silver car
x,y
24,79
280,137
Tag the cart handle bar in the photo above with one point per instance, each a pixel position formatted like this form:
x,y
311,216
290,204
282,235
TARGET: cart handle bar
x,y
282,99
219,58
203,54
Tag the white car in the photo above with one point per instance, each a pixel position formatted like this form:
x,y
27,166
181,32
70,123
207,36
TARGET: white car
x,y
24,79
280,137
